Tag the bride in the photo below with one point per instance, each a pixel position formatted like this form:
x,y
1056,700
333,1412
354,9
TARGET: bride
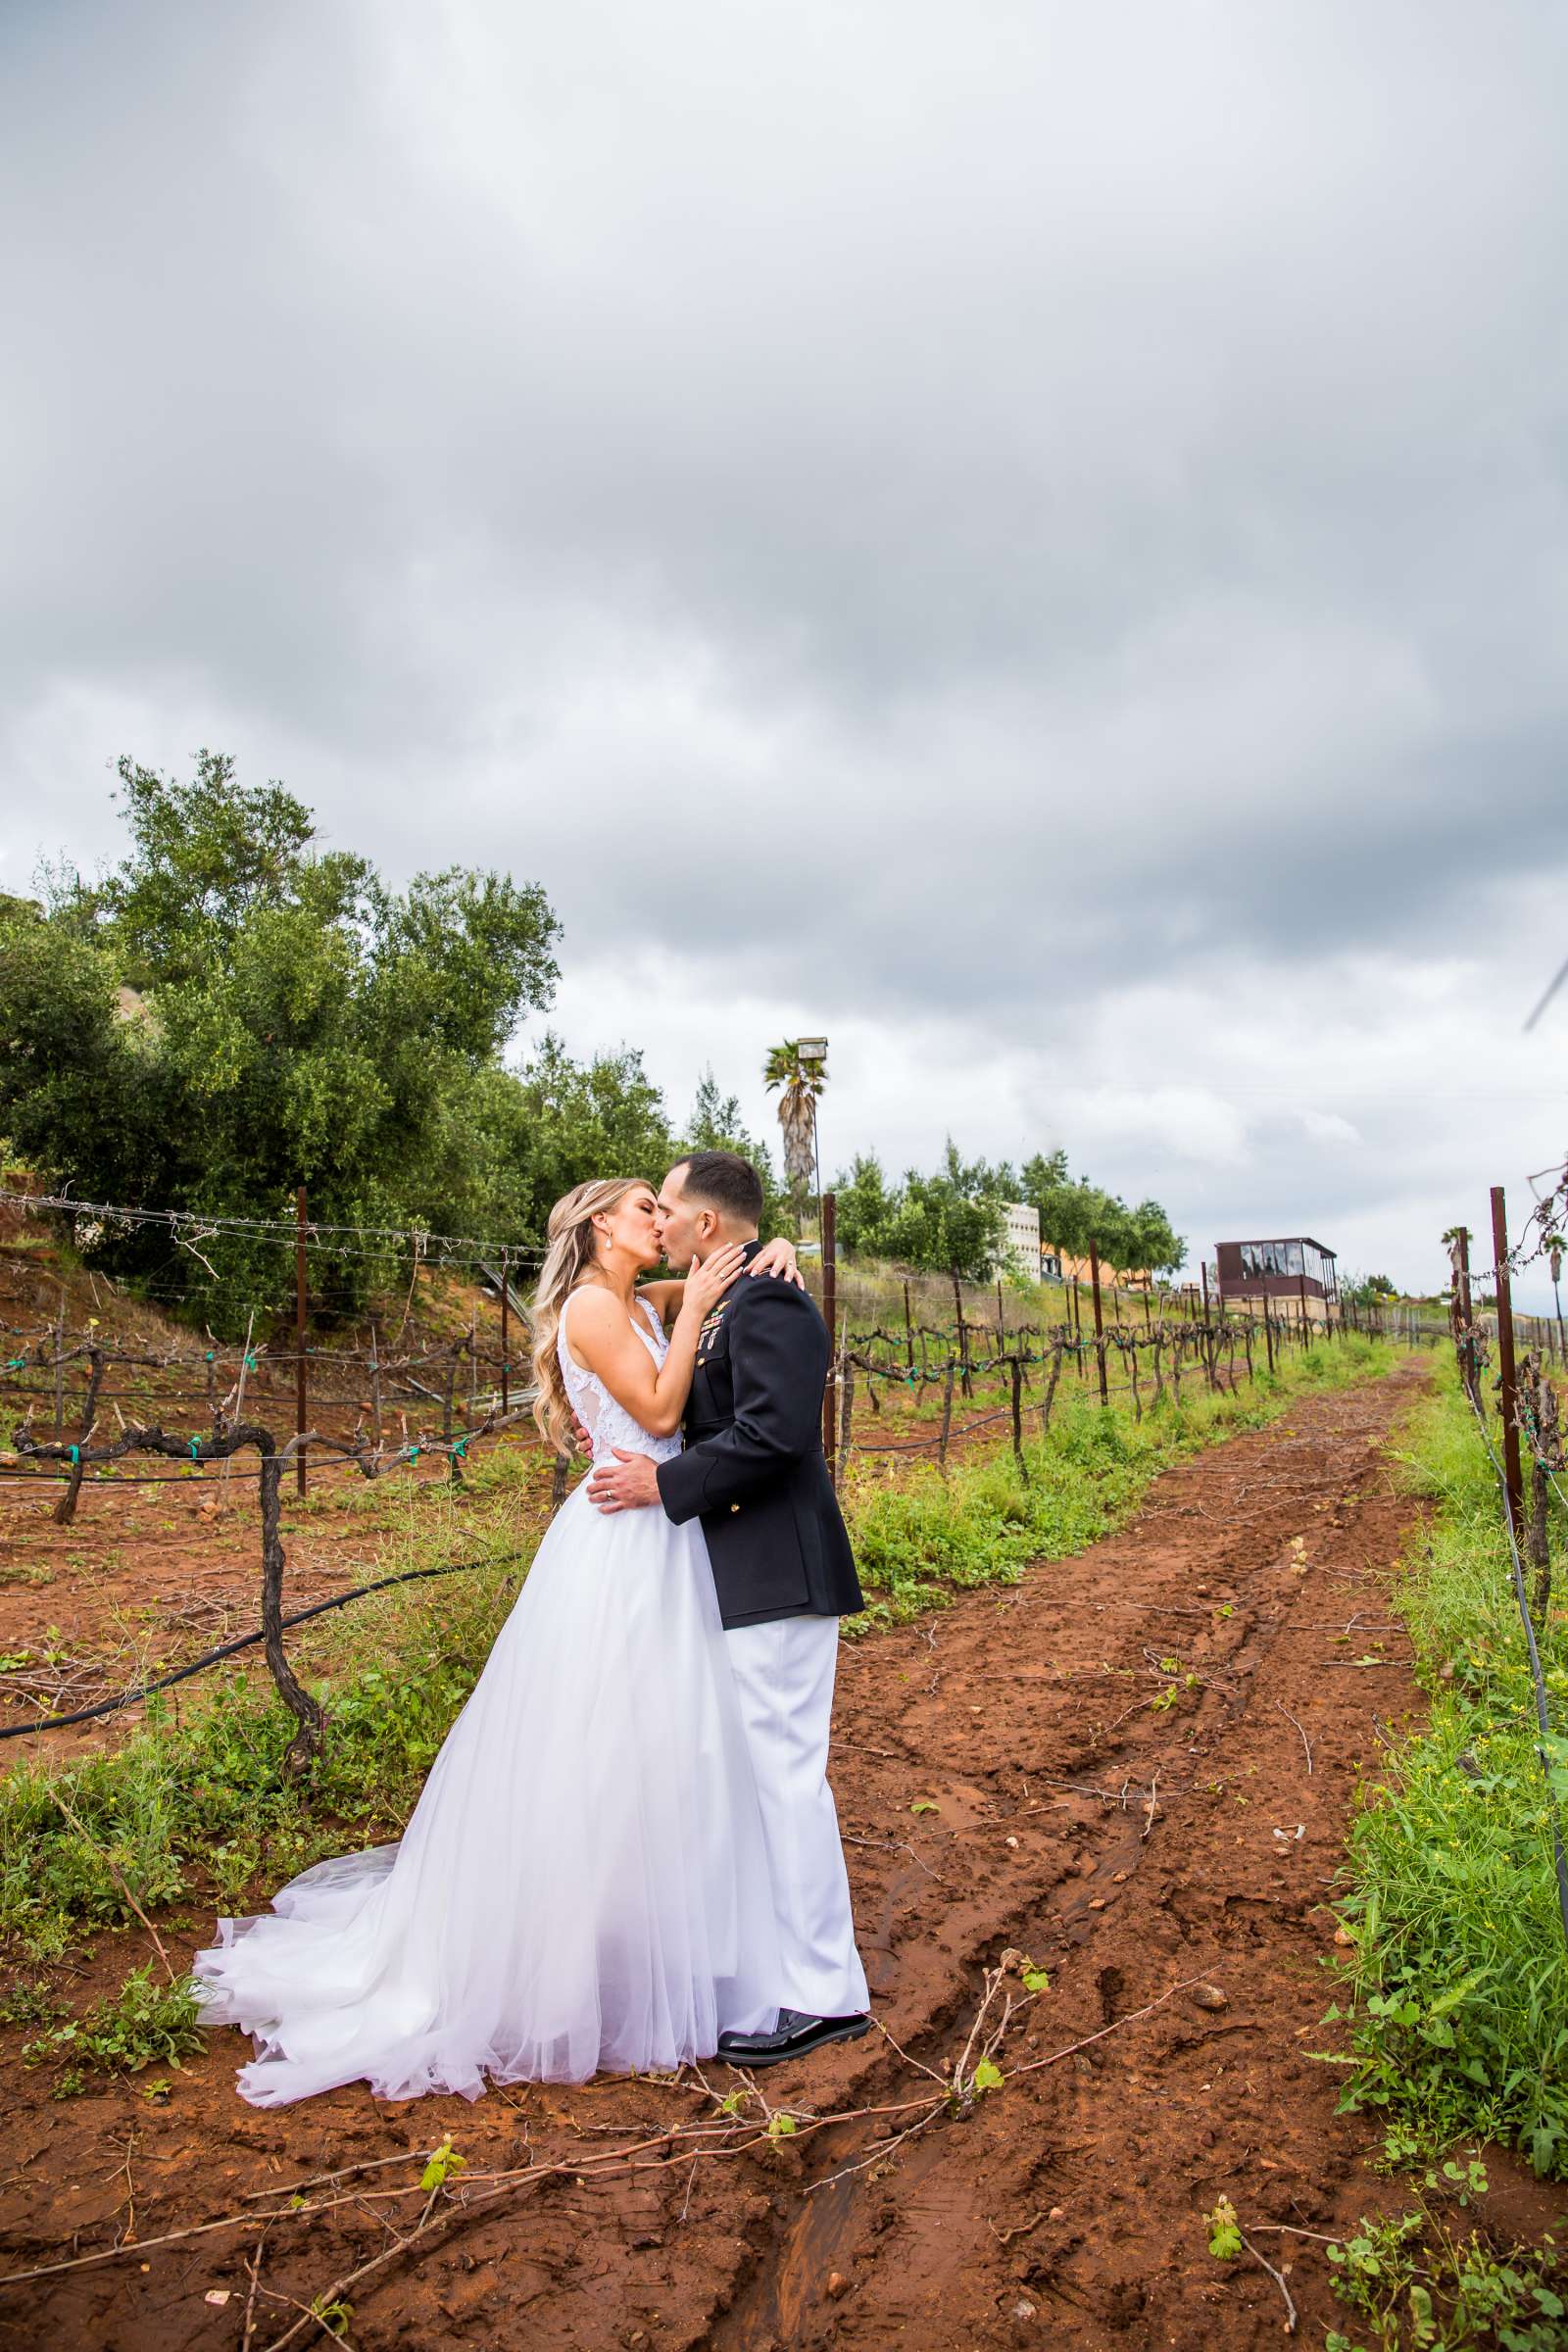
x,y
583,1883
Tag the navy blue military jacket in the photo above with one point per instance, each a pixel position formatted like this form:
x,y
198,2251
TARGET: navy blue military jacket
x,y
752,1470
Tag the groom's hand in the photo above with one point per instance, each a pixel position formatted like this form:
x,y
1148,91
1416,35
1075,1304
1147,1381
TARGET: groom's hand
x,y
627,1485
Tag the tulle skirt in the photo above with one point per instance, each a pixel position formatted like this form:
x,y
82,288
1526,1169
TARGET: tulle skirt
x,y
583,1884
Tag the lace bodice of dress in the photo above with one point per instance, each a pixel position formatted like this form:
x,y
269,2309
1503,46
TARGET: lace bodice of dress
x,y
611,1423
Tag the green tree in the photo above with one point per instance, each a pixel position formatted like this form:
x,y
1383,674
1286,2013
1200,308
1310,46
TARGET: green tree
x,y
950,1221
296,1021
1076,1216
562,1121
715,1124
865,1207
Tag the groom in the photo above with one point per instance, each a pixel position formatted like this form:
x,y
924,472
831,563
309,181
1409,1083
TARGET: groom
x,y
752,1472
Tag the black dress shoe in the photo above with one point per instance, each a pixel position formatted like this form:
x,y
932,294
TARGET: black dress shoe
x,y
793,2036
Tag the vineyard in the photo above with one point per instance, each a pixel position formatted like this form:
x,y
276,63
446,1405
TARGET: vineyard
x,y
1198,1659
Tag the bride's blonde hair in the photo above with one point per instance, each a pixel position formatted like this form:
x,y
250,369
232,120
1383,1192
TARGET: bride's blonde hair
x,y
569,1254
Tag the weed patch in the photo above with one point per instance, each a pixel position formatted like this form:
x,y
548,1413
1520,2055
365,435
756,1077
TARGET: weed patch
x,y
144,2024
1457,1991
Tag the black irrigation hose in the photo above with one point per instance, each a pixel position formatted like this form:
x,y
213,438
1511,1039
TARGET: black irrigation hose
x,y
182,1674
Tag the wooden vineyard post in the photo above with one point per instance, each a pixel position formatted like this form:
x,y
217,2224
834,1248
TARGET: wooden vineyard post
x,y
1016,1368
505,1328
947,1417
376,1381
1100,1323
301,1391
909,1325
1208,1333
1508,1383
830,1316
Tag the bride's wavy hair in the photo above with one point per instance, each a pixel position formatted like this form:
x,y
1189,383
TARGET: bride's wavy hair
x,y
569,1254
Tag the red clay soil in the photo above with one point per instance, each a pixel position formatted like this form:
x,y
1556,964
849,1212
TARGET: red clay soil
x,y
1131,1849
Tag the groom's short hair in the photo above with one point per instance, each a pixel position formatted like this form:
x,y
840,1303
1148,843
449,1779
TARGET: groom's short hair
x,y
724,1181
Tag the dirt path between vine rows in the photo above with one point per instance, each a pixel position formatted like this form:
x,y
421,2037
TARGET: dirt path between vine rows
x,y
1128,1846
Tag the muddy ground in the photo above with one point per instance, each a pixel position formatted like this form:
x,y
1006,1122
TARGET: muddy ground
x,y
1170,1858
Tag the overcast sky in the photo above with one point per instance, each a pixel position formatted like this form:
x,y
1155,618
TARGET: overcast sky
x,y
1030,538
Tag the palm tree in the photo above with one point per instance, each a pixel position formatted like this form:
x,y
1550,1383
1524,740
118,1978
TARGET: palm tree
x,y
802,1083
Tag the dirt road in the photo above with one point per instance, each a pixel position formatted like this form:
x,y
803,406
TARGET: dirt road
x,y
1134,1767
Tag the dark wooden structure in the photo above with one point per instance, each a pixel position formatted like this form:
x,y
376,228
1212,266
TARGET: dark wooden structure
x,y
1294,1267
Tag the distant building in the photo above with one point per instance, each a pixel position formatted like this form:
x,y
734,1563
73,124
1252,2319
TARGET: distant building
x,y
1020,1241
1296,1268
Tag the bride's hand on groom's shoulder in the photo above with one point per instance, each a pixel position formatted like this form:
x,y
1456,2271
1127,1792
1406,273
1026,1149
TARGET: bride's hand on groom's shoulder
x,y
707,1284
778,1257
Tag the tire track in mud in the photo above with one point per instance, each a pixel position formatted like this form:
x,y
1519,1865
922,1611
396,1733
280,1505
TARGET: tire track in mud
x,y
1091,1827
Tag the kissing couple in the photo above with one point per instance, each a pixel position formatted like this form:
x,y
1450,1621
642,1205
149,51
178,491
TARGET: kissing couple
x,y
626,1855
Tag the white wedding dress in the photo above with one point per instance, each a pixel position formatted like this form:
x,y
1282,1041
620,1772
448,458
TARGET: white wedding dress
x,y
583,1884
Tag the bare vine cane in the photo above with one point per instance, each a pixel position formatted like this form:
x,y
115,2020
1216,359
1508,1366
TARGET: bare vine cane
x,y
1051,1387
1541,1427
65,1510
947,1418
846,1399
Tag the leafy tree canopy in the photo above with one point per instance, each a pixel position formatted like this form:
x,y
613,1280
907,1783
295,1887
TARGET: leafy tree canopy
x,y
949,1220
1367,1289
234,1011
1075,1215
954,1217
716,1125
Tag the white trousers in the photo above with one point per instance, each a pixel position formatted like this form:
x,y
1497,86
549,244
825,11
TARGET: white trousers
x,y
784,1675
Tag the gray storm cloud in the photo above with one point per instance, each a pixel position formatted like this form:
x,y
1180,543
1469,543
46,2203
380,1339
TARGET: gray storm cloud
x,y
1083,487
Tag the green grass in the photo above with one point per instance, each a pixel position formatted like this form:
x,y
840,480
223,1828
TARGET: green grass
x,y
195,1799
922,1537
1458,2004
193,1804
